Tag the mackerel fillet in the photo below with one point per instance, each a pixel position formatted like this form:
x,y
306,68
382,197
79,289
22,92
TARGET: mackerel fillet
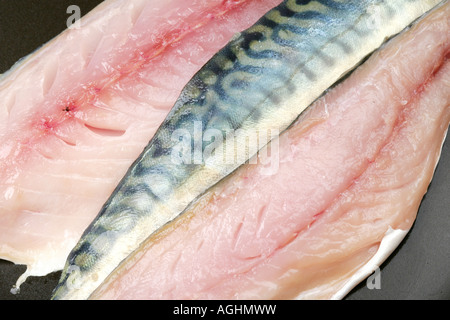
x,y
79,111
351,175
260,82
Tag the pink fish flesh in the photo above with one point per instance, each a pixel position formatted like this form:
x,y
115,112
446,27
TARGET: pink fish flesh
x,y
352,173
110,134
77,112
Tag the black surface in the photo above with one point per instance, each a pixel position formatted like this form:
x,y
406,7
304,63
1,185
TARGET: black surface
x,y
418,269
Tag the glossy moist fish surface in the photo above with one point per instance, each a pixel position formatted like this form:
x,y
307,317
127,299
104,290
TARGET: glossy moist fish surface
x,y
352,173
275,65
75,114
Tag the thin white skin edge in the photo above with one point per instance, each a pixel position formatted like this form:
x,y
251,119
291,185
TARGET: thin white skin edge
x,y
392,238
390,241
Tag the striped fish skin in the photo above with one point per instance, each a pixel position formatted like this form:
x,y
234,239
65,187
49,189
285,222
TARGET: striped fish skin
x,y
261,81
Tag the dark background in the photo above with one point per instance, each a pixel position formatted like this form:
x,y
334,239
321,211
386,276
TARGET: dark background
x,y
418,269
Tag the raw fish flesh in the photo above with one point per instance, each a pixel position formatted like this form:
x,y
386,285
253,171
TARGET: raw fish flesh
x,y
259,83
55,252
75,114
352,172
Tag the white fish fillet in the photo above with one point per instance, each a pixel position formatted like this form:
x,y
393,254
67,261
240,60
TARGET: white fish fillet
x,y
114,133
75,114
